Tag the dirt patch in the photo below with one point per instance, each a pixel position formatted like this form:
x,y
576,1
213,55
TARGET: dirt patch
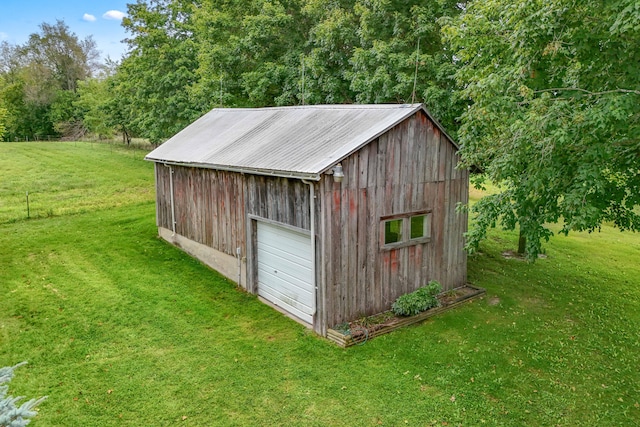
x,y
515,255
493,301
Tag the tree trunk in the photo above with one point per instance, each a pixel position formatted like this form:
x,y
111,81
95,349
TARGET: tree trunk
x,y
522,243
126,138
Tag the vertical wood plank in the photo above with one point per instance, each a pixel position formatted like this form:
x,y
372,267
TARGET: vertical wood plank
x,y
373,290
363,166
397,171
422,149
351,280
442,155
298,207
381,166
361,250
215,209
329,251
339,238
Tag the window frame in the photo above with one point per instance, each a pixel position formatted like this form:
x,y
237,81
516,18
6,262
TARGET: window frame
x,y
406,239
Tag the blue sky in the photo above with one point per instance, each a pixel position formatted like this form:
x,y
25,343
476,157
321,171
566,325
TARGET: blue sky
x,y
99,18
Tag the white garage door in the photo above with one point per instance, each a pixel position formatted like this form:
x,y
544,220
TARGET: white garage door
x,y
285,270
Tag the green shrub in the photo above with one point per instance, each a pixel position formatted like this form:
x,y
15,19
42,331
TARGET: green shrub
x,y
417,301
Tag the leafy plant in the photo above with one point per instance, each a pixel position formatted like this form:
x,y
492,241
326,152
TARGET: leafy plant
x,y
10,414
417,301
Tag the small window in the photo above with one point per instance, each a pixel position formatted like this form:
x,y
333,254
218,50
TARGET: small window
x,y
406,229
419,226
392,231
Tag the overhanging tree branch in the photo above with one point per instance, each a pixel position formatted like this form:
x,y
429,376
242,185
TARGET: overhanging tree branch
x,y
588,92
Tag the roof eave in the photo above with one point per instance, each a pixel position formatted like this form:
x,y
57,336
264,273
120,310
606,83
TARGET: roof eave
x,y
252,171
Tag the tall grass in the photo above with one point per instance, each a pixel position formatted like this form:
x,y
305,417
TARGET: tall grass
x,y
120,328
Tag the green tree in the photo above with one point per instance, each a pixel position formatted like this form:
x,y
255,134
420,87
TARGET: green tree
x,y
65,58
66,118
400,46
91,106
272,43
153,80
189,56
121,110
554,113
24,119
249,54
3,122
40,80
331,44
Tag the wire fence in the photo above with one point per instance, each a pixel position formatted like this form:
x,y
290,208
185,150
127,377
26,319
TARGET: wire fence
x,y
27,138
135,143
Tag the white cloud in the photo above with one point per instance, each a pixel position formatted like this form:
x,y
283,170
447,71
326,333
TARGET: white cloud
x,y
3,36
114,15
89,18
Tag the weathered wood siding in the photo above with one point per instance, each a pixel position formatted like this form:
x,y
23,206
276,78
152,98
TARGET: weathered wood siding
x,y
410,168
278,199
219,209
209,206
214,207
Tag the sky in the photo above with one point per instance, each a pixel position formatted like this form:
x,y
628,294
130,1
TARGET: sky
x,y
98,18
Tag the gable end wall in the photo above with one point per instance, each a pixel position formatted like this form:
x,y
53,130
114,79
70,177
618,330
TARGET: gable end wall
x,y
408,169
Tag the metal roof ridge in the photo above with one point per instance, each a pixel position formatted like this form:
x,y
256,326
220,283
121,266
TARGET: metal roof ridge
x,y
321,106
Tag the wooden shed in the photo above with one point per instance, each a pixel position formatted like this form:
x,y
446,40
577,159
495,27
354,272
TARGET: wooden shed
x,y
327,212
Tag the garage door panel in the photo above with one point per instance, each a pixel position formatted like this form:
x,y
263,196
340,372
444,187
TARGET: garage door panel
x,y
297,310
286,298
276,254
289,286
296,243
271,231
285,269
292,283
278,264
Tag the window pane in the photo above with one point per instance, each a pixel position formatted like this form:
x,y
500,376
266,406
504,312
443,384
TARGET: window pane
x,y
419,226
392,231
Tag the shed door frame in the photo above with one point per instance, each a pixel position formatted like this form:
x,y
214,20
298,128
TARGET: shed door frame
x,y
252,254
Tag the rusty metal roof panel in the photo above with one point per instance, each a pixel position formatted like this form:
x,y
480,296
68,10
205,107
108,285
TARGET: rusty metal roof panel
x,y
299,141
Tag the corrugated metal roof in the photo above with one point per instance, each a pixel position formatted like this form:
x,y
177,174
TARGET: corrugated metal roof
x,y
302,141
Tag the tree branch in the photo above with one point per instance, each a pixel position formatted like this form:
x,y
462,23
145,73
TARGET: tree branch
x,y
565,89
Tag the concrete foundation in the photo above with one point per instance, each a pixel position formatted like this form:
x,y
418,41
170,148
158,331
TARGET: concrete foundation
x,y
224,264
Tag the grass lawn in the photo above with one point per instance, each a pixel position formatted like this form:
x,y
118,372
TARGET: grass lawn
x,y
120,328
65,178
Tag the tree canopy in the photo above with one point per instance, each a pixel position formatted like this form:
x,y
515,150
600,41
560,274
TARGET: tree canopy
x,y
543,96
554,107
39,80
186,57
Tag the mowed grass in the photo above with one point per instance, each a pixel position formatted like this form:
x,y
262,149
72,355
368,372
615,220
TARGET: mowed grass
x,y
69,177
120,328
